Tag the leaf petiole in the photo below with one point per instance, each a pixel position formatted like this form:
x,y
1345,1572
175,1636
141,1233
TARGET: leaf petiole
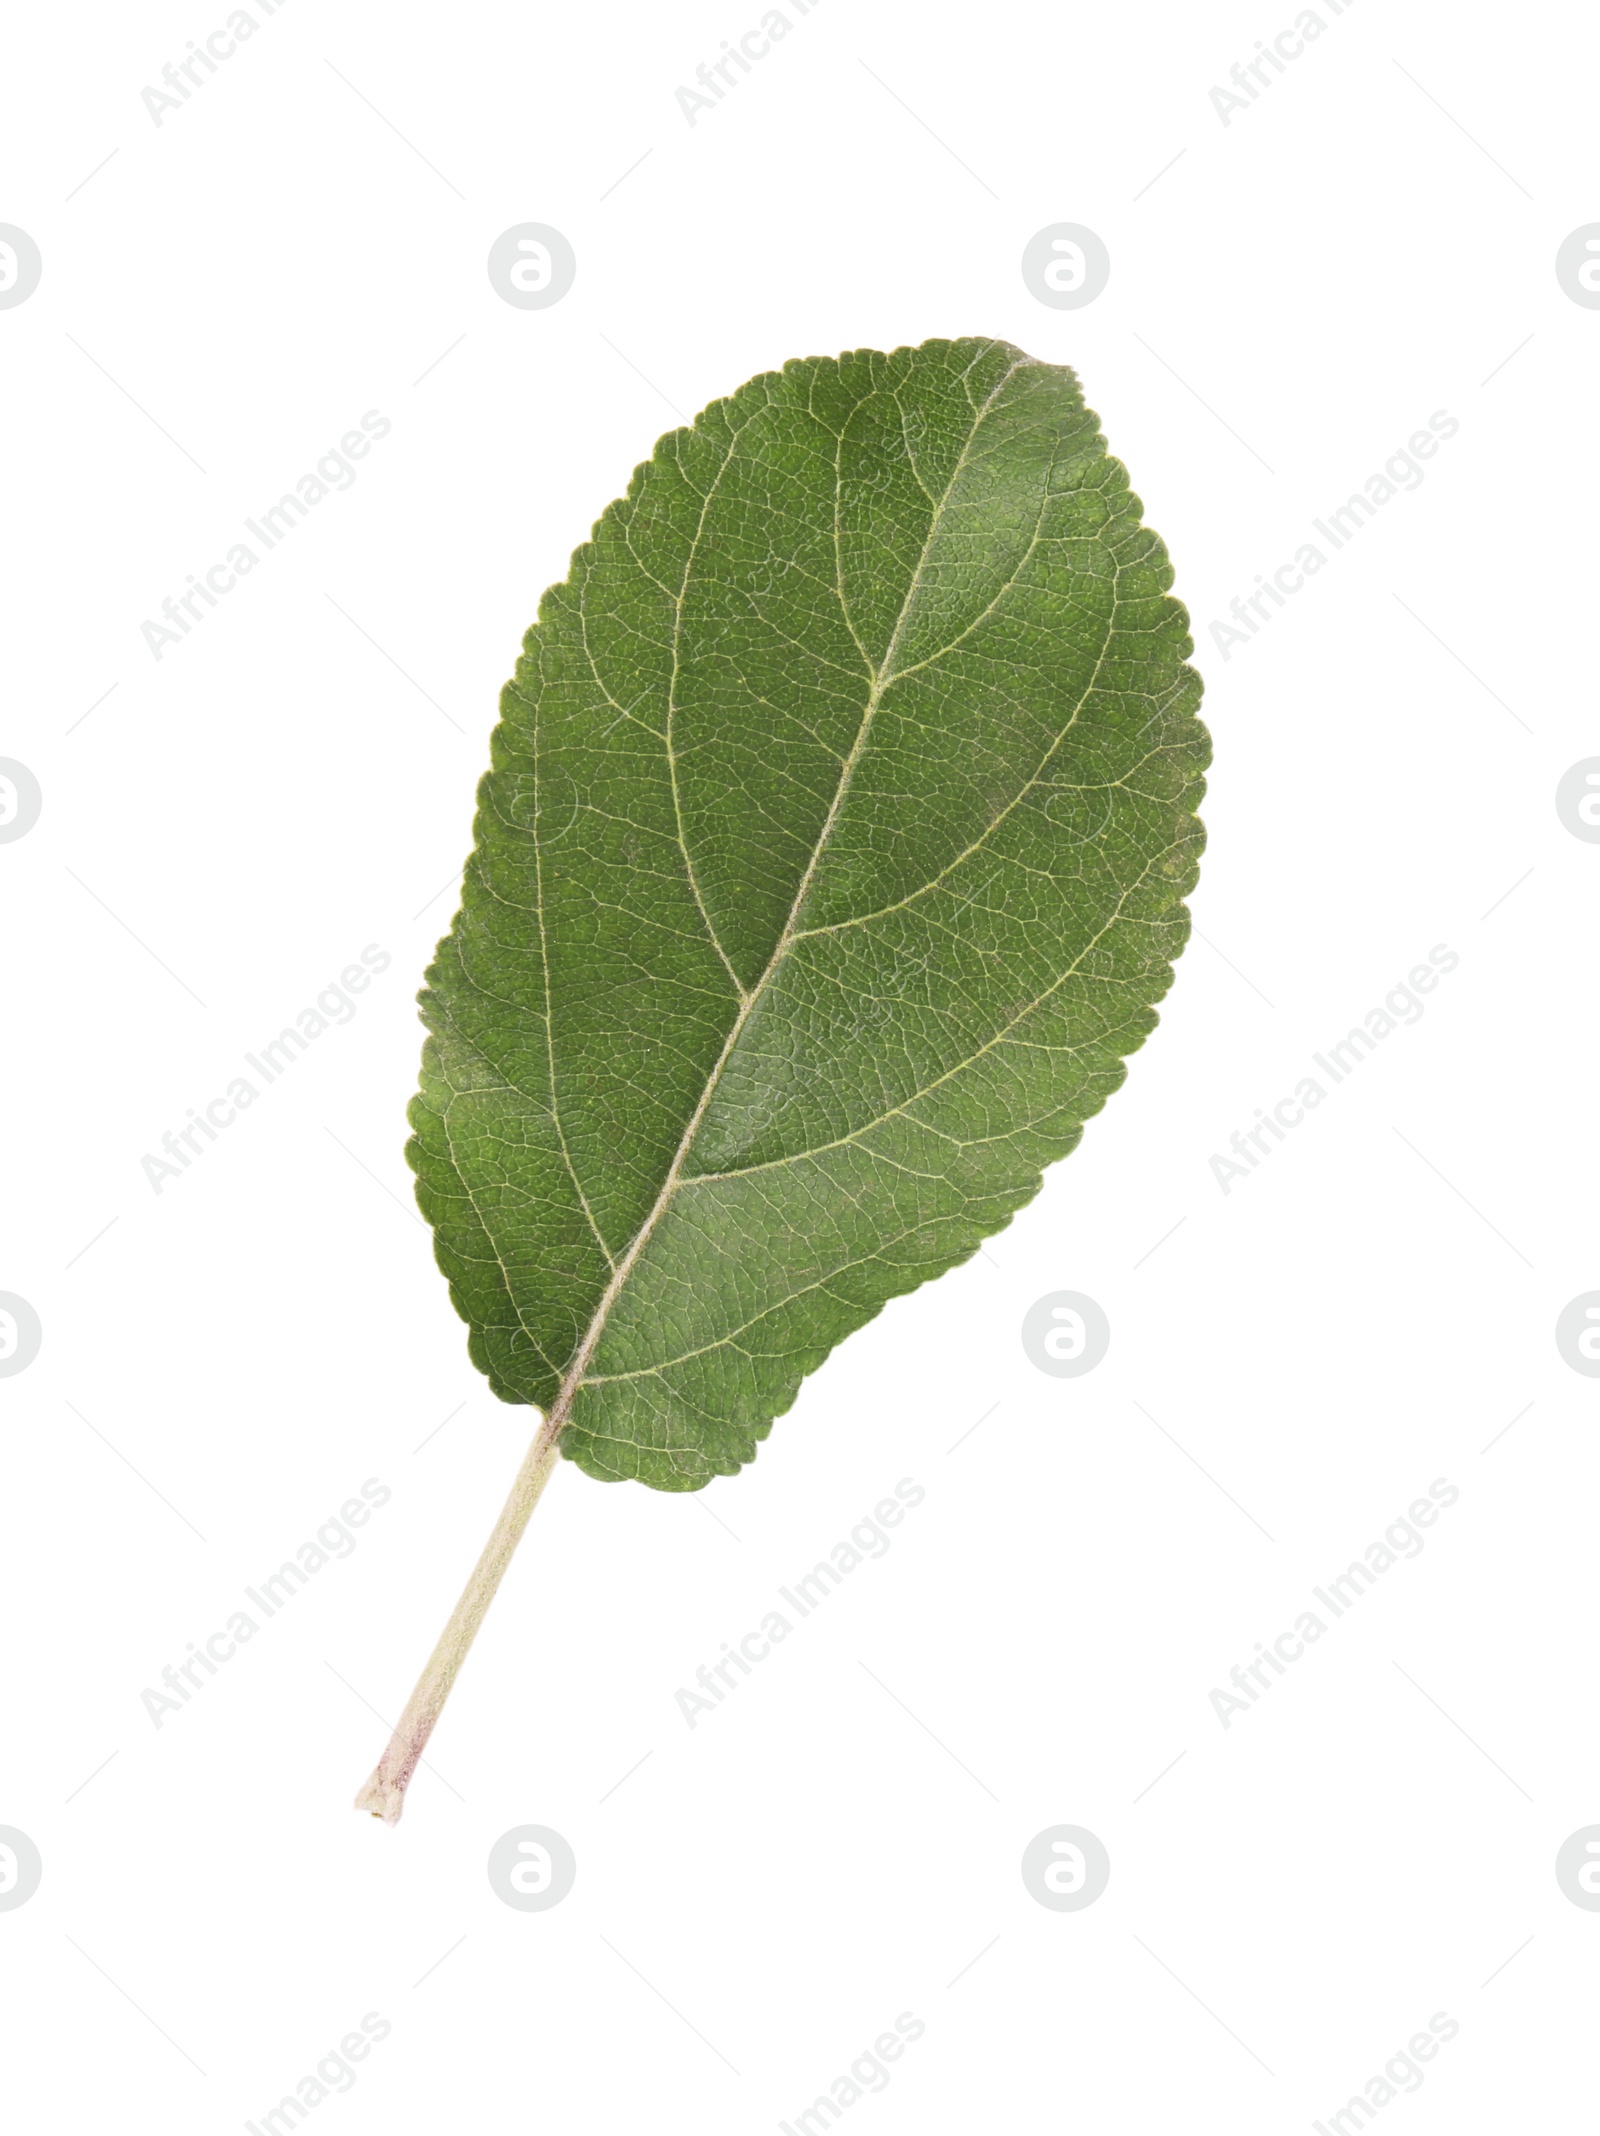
x,y
384,1792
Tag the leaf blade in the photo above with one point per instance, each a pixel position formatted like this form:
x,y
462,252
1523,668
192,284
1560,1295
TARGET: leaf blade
x,y
829,866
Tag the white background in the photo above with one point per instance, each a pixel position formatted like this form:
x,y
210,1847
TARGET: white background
x,y
1371,240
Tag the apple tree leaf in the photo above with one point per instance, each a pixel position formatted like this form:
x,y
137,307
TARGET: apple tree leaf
x,y
829,867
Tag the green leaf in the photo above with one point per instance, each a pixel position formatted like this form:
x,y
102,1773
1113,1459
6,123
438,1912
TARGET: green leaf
x,y
828,870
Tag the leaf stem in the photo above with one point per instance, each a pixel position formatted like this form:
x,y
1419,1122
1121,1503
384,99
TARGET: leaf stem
x,y
385,1791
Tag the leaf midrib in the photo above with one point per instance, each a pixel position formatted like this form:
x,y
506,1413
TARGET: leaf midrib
x,y
573,1380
